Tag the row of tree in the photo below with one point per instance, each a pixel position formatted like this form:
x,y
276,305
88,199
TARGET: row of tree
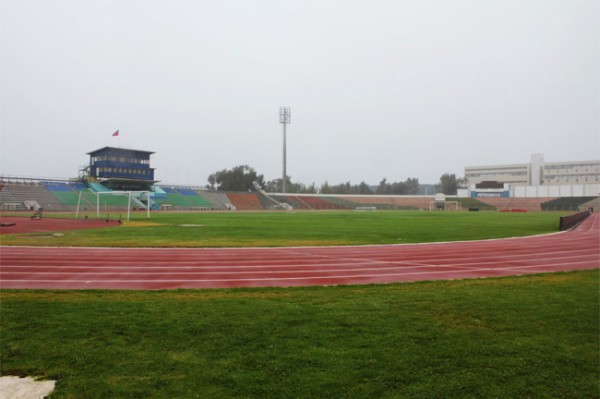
x,y
245,178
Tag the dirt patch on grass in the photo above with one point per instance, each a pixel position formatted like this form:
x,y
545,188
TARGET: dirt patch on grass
x,y
24,388
141,224
21,225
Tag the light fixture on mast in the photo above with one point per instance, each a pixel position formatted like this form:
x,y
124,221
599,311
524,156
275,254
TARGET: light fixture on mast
x,y
285,117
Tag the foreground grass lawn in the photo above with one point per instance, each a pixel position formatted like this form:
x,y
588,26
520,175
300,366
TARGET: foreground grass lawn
x,y
517,337
246,229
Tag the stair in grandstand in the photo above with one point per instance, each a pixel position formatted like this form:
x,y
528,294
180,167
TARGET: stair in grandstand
x,y
32,205
305,204
287,202
98,188
139,200
593,204
269,201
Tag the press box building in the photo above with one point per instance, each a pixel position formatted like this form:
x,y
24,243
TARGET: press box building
x,y
121,168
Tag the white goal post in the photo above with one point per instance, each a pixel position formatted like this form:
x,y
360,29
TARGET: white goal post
x,y
433,205
440,203
125,193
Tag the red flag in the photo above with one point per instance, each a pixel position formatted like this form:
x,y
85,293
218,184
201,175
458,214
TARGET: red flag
x,y
116,133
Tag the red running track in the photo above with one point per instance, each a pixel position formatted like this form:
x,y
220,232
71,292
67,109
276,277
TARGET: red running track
x,y
116,268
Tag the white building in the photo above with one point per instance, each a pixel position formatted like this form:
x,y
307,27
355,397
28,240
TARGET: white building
x,y
537,173
535,179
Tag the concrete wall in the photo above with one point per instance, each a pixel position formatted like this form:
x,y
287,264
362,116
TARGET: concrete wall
x,y
575,190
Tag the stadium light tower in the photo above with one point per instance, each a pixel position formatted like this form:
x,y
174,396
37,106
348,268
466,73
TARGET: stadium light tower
x,y
285,117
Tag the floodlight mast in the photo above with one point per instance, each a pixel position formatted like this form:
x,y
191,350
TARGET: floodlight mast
x,y
285,117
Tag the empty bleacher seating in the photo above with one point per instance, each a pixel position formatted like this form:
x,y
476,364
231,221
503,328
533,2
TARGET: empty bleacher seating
x,y
217,200
182,198
64,195
32,191
245,201
327,203
509,204
308,202
393,202
473,204
8,201
565,203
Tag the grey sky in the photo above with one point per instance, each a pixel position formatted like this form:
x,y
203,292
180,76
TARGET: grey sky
x,y
392,89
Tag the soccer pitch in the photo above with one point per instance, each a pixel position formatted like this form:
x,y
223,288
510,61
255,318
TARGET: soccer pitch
x,y
280,229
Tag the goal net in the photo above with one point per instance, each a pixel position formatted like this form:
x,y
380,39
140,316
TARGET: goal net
x,y
444,206
112,202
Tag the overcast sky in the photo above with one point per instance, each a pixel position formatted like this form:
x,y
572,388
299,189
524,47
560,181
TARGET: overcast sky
x,y
395,89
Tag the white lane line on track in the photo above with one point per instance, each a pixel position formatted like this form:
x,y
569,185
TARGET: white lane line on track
x,y
539,261
314,272
459,274
498,259
502,260
339,276
309,258
362,276
219,267
306,259
279,262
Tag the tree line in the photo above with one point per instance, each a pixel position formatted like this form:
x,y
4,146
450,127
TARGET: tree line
x,y
245,178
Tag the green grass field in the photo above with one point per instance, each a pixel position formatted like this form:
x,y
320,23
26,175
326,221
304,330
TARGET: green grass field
x,y
517,337
243,229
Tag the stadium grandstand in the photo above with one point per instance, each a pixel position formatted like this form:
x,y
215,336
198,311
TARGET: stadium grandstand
x,y
114,172
19,194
